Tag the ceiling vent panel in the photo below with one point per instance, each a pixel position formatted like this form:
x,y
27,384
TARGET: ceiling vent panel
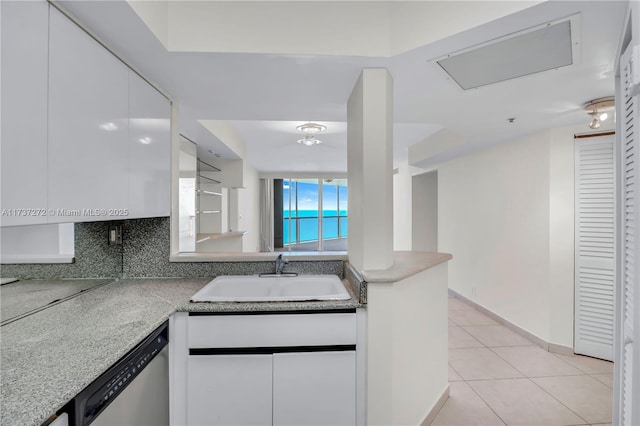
x,y
543,48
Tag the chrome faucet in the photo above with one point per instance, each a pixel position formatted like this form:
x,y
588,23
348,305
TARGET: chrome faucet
x,y
280,264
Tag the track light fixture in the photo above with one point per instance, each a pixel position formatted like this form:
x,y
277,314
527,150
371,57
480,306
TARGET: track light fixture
x,y
596,108
596,121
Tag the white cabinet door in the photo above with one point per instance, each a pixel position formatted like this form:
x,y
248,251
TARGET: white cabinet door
x,y
229,390
314,388
626,410
149,150
88,127
24,30
595,257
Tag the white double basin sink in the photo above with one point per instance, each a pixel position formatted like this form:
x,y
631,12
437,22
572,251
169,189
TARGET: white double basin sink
x,y
272,288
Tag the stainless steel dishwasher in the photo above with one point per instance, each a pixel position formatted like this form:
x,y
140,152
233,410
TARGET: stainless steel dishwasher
x,y
134,391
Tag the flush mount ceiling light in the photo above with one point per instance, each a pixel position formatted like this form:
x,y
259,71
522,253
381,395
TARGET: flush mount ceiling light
x,y
309,141
310,130
109,126
597,110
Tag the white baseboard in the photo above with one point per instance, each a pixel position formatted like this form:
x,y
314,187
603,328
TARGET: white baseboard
x,y
436,408
551,347
560,349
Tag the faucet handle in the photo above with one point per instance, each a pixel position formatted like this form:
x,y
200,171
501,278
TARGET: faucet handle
x,y
280,262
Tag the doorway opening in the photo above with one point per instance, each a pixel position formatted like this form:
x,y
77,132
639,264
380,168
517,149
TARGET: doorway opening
x,y
424,214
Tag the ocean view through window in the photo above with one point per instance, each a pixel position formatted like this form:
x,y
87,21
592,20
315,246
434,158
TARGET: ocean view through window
x,y
314,214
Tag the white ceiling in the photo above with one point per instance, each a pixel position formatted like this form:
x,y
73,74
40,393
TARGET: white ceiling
x,y
305,27
264,96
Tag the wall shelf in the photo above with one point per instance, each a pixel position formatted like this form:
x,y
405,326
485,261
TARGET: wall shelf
x,y
203,192
206,167
208,179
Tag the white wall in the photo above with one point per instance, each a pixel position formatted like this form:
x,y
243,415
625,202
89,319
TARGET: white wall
x,y
561,234
506,215
406,347
424,205
249,209
402,208
370,170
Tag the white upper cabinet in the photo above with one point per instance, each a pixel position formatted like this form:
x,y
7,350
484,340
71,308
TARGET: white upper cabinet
x,y
24,30
84,138
88,127
148,149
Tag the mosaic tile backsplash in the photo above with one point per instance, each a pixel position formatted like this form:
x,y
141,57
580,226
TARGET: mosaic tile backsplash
x,y
145,253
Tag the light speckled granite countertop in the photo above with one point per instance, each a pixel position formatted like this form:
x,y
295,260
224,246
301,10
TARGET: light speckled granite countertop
x,y
51,355
22,297
406,264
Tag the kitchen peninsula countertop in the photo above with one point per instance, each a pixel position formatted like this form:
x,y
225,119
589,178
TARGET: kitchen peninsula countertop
x,y
26,296
51,355
406,264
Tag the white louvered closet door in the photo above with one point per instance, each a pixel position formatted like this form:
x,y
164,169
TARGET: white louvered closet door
x,y
627,375
595,247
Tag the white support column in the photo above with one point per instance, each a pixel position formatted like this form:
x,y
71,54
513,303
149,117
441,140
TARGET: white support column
x,y
370,170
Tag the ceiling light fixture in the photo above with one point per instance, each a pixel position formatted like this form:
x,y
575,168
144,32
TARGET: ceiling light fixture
x,y
109,126
310,130
309,141
595,123
145,140
596,108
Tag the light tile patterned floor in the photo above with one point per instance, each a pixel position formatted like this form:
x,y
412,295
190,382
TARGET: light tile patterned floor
x,y
497,377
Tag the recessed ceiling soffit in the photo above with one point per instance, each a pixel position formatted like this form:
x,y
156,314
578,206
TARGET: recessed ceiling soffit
x,y
350,28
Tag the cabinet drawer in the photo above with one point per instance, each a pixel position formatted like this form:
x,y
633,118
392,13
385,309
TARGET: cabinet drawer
x,y
242,331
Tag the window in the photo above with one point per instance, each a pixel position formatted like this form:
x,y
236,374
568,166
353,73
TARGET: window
x,y
314,214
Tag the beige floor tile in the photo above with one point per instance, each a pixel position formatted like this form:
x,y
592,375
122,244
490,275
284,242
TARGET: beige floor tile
x,y
533,361
496,336
464,408
458,338
601,424
521,402
470,317
607,379
480,364
458,304
452,324
584,395
453,376
587,364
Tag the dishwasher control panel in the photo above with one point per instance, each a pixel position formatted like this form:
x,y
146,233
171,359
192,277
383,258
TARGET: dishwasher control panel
x,y
99,394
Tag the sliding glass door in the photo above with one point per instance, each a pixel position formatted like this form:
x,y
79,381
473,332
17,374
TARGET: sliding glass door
x,y
314,214
334,214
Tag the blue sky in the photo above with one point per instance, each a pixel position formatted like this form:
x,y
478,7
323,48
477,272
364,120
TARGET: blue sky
x,y
308,197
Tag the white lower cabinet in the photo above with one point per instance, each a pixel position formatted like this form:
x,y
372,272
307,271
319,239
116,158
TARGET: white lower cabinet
x,y
229,390
272,369
314,388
